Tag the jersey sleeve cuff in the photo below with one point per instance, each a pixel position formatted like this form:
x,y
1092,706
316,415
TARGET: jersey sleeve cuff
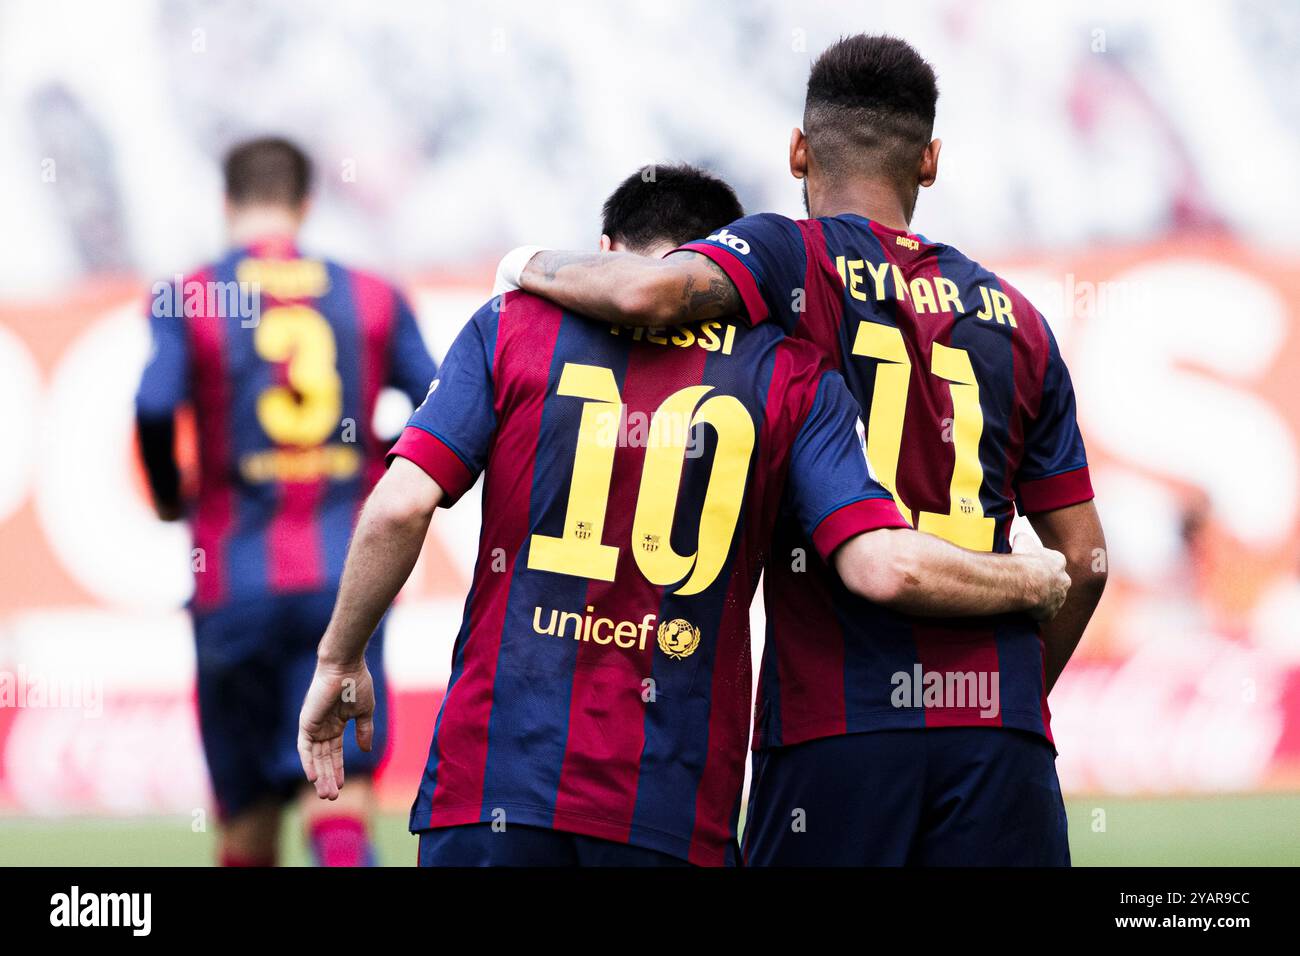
x,y
737,272
854,519
436,460
1056,491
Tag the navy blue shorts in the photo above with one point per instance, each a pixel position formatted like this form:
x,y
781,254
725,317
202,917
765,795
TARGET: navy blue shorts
x,y
955,796
477,844
255,661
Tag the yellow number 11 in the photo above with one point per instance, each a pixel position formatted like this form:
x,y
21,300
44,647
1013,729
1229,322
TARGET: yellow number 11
x,y
965,523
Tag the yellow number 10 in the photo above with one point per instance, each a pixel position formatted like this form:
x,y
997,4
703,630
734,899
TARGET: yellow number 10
x,y
965,523
579,549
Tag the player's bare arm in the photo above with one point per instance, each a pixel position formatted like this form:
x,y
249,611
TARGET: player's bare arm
x,y
627,289
384,549
920,574
1075,532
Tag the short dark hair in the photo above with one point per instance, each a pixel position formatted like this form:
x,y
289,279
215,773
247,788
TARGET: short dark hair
x,y
674,203
870,105
267,170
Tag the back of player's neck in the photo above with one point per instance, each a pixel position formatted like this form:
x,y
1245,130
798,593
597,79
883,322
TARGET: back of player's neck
x,y
248,226
870,200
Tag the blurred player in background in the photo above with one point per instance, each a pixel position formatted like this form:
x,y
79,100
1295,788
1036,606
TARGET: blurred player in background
x,y
282,357
598,708
968,412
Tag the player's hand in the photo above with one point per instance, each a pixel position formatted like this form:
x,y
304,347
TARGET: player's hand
x,y
511,266
337,694
1049,583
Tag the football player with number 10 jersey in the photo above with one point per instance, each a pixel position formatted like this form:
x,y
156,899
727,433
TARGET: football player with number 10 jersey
x,y
599,701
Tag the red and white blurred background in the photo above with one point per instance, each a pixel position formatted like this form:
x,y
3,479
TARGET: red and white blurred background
x,y
1126,169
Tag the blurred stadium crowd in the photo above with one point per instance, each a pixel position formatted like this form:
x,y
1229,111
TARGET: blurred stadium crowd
x,y
454,132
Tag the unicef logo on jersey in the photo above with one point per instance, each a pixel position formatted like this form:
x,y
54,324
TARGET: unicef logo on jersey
x,y
732,242
678,638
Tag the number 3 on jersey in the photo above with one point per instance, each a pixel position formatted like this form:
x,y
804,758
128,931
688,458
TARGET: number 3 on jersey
x,y
965,523
307,411
579,549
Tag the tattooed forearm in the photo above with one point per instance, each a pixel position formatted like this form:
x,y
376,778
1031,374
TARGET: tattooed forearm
x,y
706,297
550,261
629,289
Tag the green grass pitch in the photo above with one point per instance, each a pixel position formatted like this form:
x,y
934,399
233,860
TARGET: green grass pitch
x,y
1253,829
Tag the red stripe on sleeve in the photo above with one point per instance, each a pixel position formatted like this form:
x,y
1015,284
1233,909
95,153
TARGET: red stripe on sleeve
x,y
436,460
853,520
1057,491
739,275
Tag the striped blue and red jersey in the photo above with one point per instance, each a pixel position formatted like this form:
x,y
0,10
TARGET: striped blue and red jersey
x,y
601,680
282,358
968,414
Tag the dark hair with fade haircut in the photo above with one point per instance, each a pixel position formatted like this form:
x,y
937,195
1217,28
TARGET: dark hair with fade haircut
x,y
267,170
674,203
870,106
